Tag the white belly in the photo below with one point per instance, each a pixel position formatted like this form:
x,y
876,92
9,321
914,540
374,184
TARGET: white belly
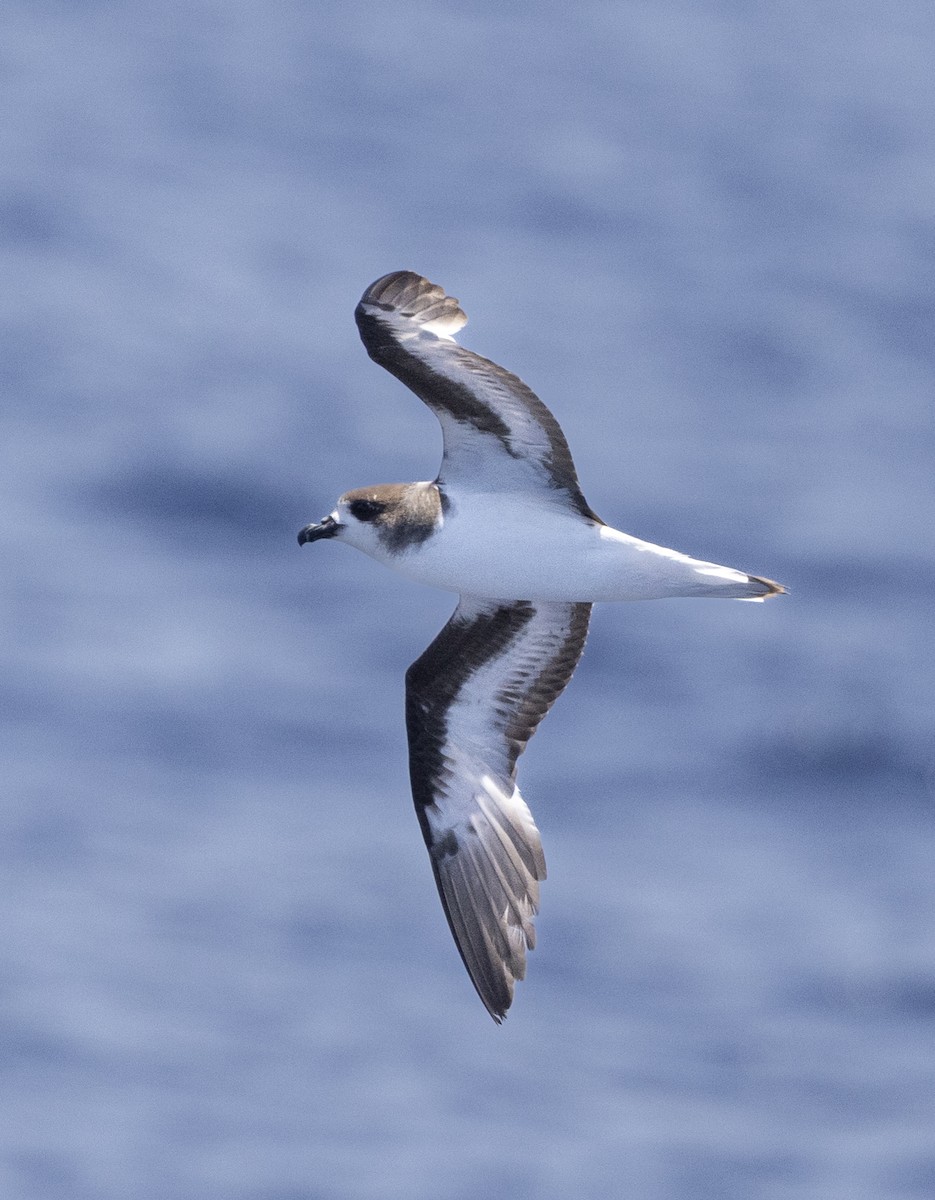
x,y
504,548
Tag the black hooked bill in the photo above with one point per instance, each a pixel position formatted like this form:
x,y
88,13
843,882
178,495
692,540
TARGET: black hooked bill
x,y
314,533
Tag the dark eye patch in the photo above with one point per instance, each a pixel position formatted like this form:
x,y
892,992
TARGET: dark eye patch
x,y
366,510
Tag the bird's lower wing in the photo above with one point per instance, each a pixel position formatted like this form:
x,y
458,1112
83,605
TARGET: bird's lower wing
x,y
473,701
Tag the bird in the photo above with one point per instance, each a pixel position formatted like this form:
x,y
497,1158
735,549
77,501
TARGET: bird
x,y
506,526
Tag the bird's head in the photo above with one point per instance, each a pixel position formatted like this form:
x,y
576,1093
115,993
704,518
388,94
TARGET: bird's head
x,y
376,519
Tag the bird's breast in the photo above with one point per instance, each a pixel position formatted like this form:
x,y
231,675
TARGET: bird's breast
x,y
495,547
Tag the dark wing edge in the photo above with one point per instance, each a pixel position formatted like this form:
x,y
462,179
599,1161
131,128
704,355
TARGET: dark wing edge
x,y
457,383
473,701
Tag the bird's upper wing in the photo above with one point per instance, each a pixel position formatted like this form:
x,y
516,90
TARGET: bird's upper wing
x,y
473,701
498,434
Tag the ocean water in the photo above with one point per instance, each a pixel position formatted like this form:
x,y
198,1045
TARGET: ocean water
x,y
704,234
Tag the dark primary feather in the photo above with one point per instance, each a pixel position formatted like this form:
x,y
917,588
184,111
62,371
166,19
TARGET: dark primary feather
x,y
473,701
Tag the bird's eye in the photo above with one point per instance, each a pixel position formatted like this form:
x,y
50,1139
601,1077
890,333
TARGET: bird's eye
x,y
365,510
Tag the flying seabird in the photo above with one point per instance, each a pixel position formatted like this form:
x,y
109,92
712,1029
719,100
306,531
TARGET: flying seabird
x,y
506,526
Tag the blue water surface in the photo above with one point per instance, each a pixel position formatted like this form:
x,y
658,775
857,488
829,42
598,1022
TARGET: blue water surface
x,y
704,233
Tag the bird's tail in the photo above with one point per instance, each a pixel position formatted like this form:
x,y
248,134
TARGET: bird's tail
x,y
729,584
653,572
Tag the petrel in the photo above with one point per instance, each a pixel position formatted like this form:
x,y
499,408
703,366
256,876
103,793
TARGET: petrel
x,y
506,526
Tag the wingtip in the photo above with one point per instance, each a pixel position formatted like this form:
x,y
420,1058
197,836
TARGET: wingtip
x,y
497,1005
416,298
498,1012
